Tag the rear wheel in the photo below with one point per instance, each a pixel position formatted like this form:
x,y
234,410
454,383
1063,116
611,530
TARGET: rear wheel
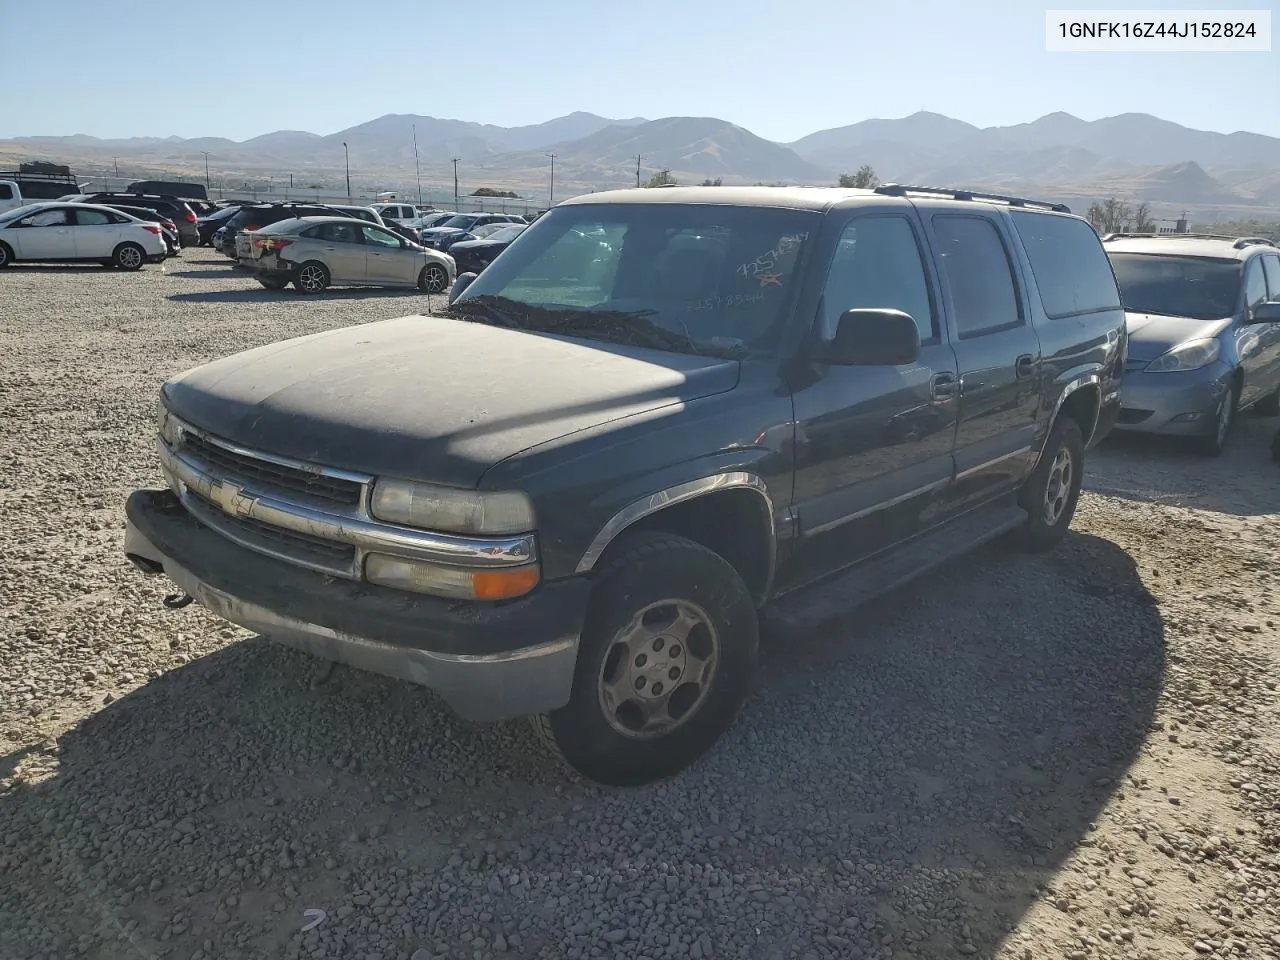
x,y
1051,492
312,277
667,656
1224,418
129,256
433,278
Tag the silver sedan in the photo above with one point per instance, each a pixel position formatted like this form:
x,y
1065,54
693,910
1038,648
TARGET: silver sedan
x,y
313,253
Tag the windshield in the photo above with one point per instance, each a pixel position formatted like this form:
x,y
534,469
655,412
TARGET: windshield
x,y
1202,288
462,223
696,278
488,230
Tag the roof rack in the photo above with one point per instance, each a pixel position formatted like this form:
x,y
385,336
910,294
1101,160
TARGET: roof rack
x,y
1239,243
902,189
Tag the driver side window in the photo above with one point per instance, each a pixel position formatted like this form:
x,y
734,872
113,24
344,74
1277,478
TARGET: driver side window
x,y
47,218
877,265
1255,285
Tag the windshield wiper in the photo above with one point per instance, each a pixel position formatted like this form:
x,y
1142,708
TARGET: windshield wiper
x,y
499,310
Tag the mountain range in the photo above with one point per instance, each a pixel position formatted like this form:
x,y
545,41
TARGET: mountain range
x,y
1134,156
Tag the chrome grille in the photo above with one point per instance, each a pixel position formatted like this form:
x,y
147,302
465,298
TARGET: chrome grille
x,y
326,555
272,477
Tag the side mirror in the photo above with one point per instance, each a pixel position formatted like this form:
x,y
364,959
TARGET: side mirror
x,y
1266,312
872,338
460,284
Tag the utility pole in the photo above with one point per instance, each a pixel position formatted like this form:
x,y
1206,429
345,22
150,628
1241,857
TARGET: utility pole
x,y
347,153
455,181
637,169
206,168
417,169
552,200
116,161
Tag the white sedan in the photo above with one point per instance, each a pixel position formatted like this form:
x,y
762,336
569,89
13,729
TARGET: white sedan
x,y
59,232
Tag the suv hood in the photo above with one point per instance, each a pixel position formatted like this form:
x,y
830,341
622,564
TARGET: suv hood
x,y
1152,334
431,398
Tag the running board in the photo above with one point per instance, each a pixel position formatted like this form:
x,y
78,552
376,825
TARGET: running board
x,y
834,596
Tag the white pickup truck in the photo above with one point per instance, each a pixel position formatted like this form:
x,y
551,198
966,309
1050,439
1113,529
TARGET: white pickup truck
x,y
35,183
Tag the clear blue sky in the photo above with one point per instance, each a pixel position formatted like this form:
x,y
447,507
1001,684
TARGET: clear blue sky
x,y
780,68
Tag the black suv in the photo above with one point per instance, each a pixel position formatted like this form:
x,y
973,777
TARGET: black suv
x,y
174,208
697,413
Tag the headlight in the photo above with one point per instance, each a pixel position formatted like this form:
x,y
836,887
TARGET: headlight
x,y
460,583
430,507
1191,355
170,430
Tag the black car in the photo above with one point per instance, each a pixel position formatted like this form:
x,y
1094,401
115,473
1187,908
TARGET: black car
x,y
474,255
169,188
175,208
657,422
172,240
207,225
460,227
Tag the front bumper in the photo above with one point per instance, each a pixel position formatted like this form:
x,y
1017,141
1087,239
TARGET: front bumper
x,y
1173,404
487,661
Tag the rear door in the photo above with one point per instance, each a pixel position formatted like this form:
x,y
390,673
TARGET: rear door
x,y
387,260
97,233
344,251
997,351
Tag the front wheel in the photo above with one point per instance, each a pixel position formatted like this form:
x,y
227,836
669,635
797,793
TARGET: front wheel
x,y
1052,491
433,278
1224,418
312,277
6,255
274,283
129,256
667,656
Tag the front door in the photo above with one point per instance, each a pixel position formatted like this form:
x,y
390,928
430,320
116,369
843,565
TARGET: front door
x,y
387,259
46,235
997,353
1269,333
1255,342
873,444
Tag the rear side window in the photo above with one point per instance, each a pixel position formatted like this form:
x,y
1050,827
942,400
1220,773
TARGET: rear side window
x,y
979,275
1069,264
6,192
91,218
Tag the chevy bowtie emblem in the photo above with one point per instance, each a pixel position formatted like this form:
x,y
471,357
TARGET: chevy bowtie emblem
x,y
234,500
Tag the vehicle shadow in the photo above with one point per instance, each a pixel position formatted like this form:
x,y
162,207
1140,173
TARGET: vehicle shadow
x,y
68,268
213,272
915,779
1167,471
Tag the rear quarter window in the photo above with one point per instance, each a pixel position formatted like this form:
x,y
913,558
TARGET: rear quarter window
x,y
1068,263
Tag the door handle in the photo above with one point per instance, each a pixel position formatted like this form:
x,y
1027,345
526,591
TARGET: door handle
x,y
1026,366
943,386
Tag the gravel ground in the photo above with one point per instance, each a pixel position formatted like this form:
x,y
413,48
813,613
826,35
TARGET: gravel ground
x,y
1074,756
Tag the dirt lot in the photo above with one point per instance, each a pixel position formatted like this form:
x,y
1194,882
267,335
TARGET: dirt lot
x,y
1072,756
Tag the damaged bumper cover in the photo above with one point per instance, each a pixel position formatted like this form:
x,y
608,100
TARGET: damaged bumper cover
x,y
487,661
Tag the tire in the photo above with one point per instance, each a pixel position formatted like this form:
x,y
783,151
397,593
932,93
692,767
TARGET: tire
x,y
1052,491
647,582
433,279
6,256
273,283
129,256
1269,405
312,277
1224,419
